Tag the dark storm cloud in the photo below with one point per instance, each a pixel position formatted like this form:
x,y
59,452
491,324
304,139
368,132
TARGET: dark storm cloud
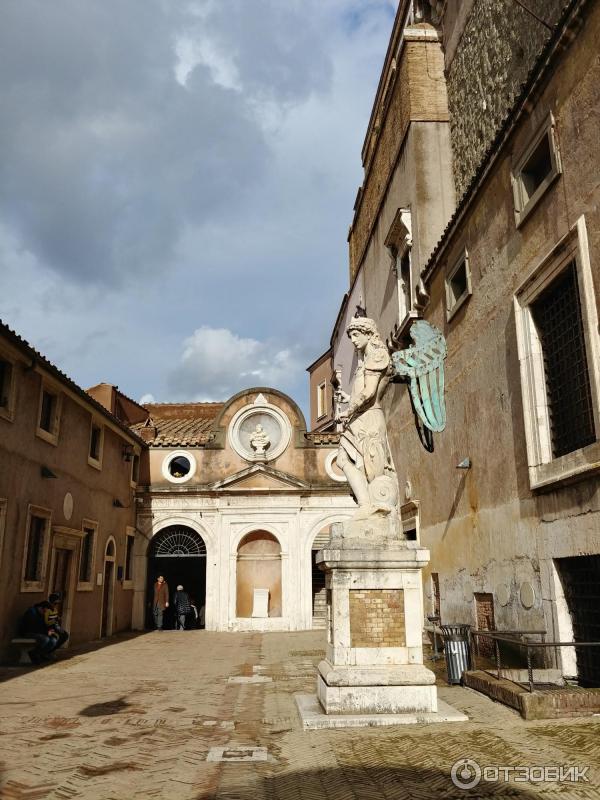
x,y
106,157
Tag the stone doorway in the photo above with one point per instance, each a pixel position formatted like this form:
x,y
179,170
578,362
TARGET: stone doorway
x,y
484,612
580,578
179,554
108,590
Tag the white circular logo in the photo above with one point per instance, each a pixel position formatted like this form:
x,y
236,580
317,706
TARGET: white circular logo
x,y
465,773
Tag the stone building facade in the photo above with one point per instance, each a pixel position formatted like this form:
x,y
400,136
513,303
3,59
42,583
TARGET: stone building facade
x,y
504,119
229,513
68,474
99,495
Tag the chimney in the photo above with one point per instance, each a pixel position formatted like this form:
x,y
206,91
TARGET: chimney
x,y
149,431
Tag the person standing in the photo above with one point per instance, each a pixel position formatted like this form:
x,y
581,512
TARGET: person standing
x,y
161,601
183,606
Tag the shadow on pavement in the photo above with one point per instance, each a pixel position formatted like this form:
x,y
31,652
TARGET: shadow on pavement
x,y
9,671
392,783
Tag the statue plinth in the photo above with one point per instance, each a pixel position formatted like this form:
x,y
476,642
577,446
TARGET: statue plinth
x,y
374,658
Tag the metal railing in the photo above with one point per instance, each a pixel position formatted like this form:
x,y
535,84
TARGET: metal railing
x,y
517,638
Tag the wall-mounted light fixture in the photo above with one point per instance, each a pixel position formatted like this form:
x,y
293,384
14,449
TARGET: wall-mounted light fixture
x,y
46,472
465,464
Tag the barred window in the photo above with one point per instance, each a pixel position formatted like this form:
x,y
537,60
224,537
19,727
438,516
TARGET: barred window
x,y
557,316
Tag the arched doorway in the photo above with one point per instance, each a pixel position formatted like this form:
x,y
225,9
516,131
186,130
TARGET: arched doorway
x,y
179,554
108,589
258,567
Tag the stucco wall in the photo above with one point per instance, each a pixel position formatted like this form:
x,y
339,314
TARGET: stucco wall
x,y
22,455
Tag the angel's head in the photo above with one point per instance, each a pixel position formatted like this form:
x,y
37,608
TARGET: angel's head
x,y
362,331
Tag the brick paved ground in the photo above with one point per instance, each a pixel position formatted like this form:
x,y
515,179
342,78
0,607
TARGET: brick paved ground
x,y
138,719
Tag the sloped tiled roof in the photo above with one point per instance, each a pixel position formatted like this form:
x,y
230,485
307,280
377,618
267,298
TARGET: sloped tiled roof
x,y
180,424
37,358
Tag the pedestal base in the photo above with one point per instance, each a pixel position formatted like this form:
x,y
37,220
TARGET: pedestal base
x,y
314,717
390,689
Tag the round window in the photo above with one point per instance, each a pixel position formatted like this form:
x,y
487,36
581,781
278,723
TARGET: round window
x,y
179,467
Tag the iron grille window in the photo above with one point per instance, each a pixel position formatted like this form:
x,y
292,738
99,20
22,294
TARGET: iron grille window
x,y
85,564
178,541
35,547
557,316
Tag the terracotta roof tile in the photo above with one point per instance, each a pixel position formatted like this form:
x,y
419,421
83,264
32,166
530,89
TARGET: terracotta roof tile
x,y
181,424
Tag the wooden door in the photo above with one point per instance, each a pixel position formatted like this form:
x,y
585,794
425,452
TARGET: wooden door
x,y
60,580
107,587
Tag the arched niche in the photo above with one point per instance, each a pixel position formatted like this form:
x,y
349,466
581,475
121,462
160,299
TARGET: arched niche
x,y
258,567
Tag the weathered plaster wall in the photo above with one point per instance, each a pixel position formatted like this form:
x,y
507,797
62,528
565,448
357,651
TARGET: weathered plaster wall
x,y
493,48
485,527
22,454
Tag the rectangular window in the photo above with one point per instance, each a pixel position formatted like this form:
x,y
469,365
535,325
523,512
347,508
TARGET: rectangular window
x,y
321,400
536,170
135,469
557,316
37,539
96,444
5,382
49,414
458,285
405,295
6,388
129,558
35,548
559,354
85,562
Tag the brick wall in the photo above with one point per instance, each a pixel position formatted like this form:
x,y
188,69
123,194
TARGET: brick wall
x,y
418,94
377,618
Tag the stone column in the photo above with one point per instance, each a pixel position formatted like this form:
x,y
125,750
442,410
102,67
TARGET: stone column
x,y
374,659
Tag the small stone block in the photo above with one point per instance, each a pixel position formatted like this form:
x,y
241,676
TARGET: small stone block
x,y
237,753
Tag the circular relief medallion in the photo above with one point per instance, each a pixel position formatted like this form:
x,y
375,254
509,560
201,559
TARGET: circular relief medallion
x,y
68,506
259,432
527,595
503,594
332,469
179,466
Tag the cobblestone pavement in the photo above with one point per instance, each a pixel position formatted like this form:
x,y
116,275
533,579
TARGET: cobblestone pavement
x,y
146,716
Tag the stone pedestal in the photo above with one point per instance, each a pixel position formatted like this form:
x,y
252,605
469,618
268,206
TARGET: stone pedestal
x,y
374,658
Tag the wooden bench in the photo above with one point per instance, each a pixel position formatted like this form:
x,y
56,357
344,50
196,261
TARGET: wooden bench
x,y
24,646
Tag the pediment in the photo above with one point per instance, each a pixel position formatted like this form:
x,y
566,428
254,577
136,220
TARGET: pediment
x,y
260,477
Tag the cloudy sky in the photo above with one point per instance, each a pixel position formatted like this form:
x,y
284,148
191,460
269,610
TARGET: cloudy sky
x,y
176,184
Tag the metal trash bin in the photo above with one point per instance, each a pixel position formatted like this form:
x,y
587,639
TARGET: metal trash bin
x,y
456,650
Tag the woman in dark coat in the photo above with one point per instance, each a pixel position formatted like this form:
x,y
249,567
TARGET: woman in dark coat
x,y
181,602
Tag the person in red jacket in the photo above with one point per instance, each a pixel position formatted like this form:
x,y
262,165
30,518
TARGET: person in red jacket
x,y
161,601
